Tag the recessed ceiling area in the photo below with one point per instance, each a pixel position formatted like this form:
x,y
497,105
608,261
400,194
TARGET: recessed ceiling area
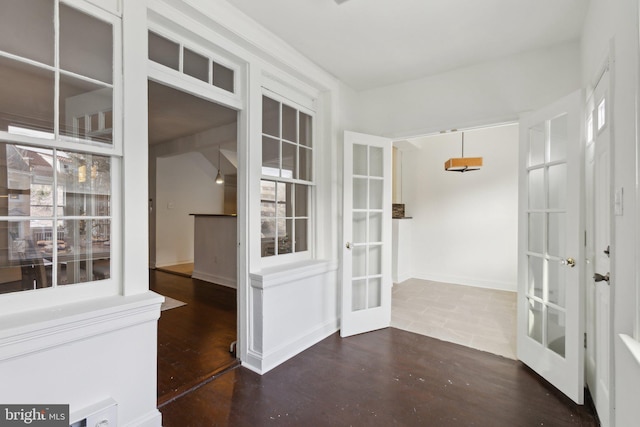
x,y
373,43
175,114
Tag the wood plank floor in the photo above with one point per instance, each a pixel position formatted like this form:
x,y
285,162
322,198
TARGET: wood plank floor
x,y
193,340
383,378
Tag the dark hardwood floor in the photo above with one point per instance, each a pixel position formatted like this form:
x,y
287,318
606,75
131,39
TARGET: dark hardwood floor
x,y
383,378
193,340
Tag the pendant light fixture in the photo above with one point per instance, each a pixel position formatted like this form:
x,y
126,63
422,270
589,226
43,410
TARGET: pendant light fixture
x,y
463,164
219,177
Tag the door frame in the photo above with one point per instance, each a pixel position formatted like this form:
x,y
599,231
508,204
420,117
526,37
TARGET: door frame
x,y
607,68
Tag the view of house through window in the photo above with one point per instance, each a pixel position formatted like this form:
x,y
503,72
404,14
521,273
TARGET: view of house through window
x,y
285,188
56,123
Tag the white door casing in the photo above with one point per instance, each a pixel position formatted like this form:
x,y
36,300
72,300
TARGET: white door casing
x,y
551,245
366,253
599,209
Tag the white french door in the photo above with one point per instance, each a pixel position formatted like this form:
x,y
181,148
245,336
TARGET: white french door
x,y
366,254
551,245
598,289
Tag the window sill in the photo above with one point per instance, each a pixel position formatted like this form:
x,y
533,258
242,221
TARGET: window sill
x,y
270,277
37,330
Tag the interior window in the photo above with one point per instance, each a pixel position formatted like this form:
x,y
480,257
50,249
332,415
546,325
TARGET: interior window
x,y
55,202
285,188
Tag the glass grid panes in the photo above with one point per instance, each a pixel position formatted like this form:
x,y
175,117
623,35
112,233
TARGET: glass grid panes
x,y
285,188
55,218
78,71
180,58
367,224
56,84
546,217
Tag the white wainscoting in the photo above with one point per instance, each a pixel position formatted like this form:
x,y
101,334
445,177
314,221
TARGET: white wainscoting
x,y
291,308
627,396
81,353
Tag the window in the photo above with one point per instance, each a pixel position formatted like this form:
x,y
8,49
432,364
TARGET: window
x,y
286,185
168,53
56,133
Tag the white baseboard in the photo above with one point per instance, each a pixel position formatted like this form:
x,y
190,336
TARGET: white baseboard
x,y
263,363
467,281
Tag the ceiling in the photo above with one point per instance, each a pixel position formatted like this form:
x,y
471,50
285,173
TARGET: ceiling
x,y
175,114
373,43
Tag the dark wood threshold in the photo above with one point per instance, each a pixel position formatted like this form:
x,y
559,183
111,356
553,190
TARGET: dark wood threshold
x,y
196,383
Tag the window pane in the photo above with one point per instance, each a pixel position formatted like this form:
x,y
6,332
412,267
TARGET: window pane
x,y
360,159
27,100
164,51
270,156
289,200
305,130
536,189
301,235
196,65
375,227
267,190
536,145
376,166
86,180
558,128
223,77
536,232
270,117
375,292
86,45
289,160
359,227
305,164
29,181
33,41
85,104
556,322
289,125
84,253
534,321
25,255
284,236
302,200
557,186
359,294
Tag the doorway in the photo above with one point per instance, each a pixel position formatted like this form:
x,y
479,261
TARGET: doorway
x,y
456,266
192,173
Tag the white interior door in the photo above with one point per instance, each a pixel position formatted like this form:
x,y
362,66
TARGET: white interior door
x,y
551,246
598,186
366,254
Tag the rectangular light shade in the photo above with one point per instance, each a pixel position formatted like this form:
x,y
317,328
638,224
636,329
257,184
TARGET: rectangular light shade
x,y
463,163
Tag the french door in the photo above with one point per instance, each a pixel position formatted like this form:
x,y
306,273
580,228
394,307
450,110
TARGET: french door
x,y
551,245
598,287
366,254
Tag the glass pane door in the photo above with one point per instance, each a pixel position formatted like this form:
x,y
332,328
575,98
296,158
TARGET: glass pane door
x,y
367,229
551,248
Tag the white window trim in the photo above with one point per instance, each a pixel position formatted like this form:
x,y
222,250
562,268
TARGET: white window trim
x,y
301,101
21,301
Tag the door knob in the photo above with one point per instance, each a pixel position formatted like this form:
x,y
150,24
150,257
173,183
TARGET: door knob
x,y
348,245
569,261
607,251
600,278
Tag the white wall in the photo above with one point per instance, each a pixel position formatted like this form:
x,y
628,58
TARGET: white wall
x,y
185,184
614,22
465,225
491,92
